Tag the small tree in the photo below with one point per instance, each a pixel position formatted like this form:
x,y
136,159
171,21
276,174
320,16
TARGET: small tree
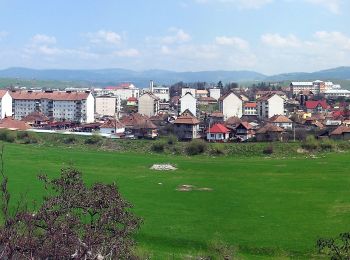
x,y
337,249
75,221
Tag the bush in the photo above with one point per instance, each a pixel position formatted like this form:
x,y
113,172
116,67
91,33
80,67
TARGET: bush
x,y
310,143
8,135
328,145
28,137
217,149
172,139
158,147
268,150
196,147
94,139
70,139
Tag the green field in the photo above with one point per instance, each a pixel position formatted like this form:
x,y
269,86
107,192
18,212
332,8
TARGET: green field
x,y
266,208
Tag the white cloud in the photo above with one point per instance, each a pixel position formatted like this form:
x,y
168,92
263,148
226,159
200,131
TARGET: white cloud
x,y
178,36
127,53
3,35
245,4
332,5
43,39
232,41
276,40
104,37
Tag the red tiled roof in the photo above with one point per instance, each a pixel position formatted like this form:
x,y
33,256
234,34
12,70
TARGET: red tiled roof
x,y
250,105
217,114
121,86
269,128
218,129
13,124
340,130
112,124
207,99
246,125
132,99
187,119
280,119
311,104
35,116
2,92
55,95
233,120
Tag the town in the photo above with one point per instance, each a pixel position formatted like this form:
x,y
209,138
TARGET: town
x,y
213,112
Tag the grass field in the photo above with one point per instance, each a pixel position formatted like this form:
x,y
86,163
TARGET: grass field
x,y
266,208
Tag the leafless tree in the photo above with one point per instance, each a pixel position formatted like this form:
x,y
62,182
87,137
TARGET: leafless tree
x,y
75,221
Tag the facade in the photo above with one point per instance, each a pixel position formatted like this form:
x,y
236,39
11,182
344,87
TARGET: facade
x,y
188,90
244,131
335,93
250,109
231,105
269,133
186,126
124,91
107,105
113,127
215,93
281,121
161,92
201,93
218,133
5,104
270,105
316,107
56,105
316,87
188,102
148,104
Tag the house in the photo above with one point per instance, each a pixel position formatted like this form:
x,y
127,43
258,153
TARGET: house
x,y
281,121
184,91
71,106
148,104
5,104
137,125
216,117
270,105
250,109
317,106
215,93
244,131
159,91
188,102
207,101
269,133
124,91
233,122
231,105
107,105
201,93
112,127
218,133
13,124
132,101
36,119
262,93
341,133
186,126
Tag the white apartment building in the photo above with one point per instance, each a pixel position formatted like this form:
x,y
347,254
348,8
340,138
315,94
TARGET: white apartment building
x,y
5,104
107,105
124,91
215,93
231,105
160,91
334,93
188,102
316,87
188,90
57,105
148,104
250,109
270,105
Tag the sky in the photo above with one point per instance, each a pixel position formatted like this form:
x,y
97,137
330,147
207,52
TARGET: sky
x,y
267,36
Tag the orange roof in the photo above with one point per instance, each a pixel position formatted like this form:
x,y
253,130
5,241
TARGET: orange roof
x,y
54,95
13,124
280,119
233,120
340,130
112,124
131,99
2,92
250,105
186,119
269,128
246,125
35,116
218,129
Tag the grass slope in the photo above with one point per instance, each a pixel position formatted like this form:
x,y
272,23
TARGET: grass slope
x,y
265,207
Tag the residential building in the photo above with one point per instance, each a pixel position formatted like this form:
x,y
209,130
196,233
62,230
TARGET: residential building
x,y
270,105
244,131
281,121
124,91
5,104
215,93
159,91
207,101
201,93
250,109
341,133
188,102
231,105
107,105
218,133
335,93
36,119
316,87
112,127
132,101
262,93
316,106
184,91
148,104
186,126
56,105
13,124
269,133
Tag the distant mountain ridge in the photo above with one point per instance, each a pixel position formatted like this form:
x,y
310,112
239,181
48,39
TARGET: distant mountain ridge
x,y
141,78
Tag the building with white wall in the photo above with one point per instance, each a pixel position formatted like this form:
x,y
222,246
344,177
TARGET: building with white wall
x,y
188,90
215,93
160,91
56,105
5,104
148,104
231,105
188,102
124,91
107,105
270,105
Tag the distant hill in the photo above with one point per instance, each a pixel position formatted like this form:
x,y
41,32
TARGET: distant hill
x,y
103,77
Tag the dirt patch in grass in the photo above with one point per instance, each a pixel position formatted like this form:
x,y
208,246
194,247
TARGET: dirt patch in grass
x,y
163,167
187,188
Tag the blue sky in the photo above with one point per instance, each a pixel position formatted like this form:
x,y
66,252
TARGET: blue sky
x,y
269,36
